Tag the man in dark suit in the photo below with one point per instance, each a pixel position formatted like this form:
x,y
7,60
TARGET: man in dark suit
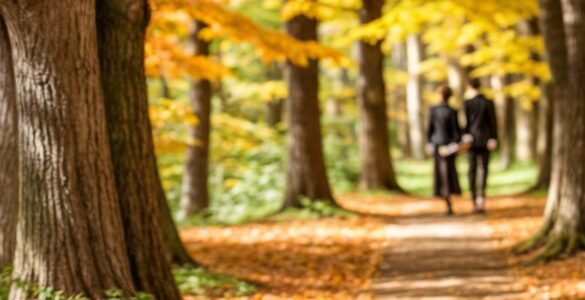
x,y
481,136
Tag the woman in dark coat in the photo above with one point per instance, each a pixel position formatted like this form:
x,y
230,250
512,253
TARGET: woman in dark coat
x,y
444,134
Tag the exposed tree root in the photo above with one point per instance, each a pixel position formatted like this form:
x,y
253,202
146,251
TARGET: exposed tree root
x,y
557,246
533,242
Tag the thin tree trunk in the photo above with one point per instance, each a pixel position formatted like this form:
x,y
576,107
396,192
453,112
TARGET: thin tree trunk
x,y
165,88
195,196
527,113
121,32
525,129
306,173
400,61
274,108
505,112
545,135
70,235
414,97
377,171
457,77
8,152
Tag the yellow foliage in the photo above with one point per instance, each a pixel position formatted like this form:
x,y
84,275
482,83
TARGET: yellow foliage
x,y
166,54
271,45
265,91
525,91
318,9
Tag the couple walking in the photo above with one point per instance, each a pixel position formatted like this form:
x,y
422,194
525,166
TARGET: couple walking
x,y
446,138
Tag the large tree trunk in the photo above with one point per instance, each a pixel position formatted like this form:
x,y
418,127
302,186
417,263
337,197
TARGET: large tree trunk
x,y
195,197
376,164
70,235
505,113
414,97
8,152
570,219
121,32
564,226
306,173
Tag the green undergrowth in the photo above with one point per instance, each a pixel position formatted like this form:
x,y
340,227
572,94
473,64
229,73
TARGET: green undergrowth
x,y
192,281
416,177
309,210
199,282
313,210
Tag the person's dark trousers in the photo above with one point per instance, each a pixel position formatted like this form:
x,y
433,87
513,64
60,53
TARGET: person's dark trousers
x,y
478,173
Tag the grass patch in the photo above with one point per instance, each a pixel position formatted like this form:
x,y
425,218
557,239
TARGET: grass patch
x,y
416,177
312,210
198,282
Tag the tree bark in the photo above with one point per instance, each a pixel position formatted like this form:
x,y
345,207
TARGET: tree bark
x,y
306,173
121,33
195,196
414,97
70,235
8,152
564,225
377,171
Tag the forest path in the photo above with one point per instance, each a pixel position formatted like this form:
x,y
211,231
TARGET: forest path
x,y
433,256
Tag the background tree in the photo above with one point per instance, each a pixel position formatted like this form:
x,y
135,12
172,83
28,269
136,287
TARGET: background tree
x,y
121,32
70,236
415,96
306,174
195,194
275,106
8,152
377,171
505,111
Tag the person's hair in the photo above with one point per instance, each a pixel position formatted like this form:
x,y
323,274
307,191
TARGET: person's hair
x,y
446,93
475,83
